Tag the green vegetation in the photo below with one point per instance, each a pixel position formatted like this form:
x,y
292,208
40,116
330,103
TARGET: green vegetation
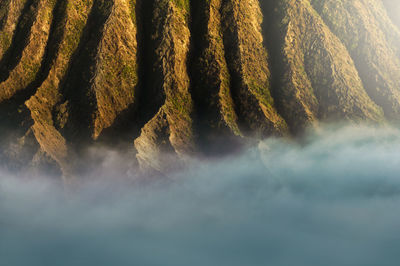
x,y
183,4
132,7
329,59
75,27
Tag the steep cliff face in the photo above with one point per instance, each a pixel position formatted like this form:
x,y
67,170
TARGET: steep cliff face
x,y
211,79
319,80
372,40
171,126
182,77
47,115
248,63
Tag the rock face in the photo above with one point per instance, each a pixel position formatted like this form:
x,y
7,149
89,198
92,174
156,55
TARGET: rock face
x,y
182,77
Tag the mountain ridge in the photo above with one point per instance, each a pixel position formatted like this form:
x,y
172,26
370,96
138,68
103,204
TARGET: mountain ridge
x,y
187,77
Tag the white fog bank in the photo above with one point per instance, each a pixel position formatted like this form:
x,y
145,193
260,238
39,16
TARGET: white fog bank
x,y
333,200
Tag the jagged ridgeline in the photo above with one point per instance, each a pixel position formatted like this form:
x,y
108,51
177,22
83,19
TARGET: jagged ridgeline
x,y
187,77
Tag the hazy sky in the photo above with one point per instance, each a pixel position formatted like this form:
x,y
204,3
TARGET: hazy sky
x,y
332,201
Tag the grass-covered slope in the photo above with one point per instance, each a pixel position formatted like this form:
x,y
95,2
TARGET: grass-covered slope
x,y
187,76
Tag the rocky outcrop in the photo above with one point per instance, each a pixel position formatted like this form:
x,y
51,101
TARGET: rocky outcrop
x,y
170,79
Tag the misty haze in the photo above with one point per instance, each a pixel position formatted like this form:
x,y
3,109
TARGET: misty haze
x,y
199,132
331,201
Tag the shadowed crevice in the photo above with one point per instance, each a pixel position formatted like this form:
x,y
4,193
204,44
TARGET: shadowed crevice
x,y
20,39
148,96
231,45
151,94
202,92
230,30
52,47
213,137
14,114
4,9
76,85
273,41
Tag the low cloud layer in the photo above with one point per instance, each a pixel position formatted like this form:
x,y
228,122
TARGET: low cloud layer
x,y
331,200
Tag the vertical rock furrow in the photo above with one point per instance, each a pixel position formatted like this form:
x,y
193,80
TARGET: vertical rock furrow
x,y
16,88
331,70
50,53
78,97
28,25
31,58
248,64
48,94
149,96
215,111
170,38
4,9
11,13
116,67
292,90
365,38
320,81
